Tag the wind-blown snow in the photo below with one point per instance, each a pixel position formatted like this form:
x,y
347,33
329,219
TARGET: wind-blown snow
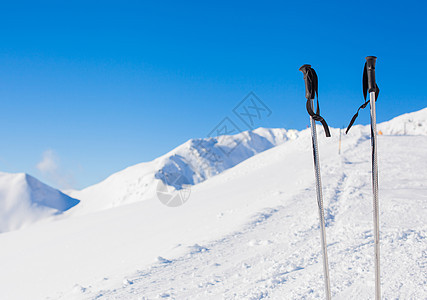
x,y
25,200
248,233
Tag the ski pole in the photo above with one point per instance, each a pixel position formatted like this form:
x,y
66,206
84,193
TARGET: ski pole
x,y
370,85
311,90
372,88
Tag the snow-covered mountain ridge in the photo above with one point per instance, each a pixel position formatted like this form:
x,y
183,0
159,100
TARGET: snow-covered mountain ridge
x,y
190,163
414,123
199,159
25,200
250,232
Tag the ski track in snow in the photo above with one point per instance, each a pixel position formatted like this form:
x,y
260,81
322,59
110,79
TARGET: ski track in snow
x,y
277,255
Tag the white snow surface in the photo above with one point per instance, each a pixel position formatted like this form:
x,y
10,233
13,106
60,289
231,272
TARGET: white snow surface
x,y
407,124
25,200
250,232
192,162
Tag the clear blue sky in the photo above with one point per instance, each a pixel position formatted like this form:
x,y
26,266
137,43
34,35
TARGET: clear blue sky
x,y
104,85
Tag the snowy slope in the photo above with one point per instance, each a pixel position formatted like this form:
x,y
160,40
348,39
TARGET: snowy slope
x,y
199,159
25,200
190,163
248,233
414,123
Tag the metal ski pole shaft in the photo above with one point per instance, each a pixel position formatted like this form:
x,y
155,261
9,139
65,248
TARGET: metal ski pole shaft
x,y
372,88
320,206
375,200
310,78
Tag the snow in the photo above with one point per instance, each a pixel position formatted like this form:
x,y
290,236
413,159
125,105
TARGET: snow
x,y
250,231
25,200
193,162
407,124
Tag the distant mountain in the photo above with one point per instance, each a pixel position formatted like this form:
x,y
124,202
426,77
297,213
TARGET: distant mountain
x,y
414,123
190,163
199,159
250,232
25,200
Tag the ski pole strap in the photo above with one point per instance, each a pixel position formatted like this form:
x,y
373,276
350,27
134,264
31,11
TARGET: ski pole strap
x,y
316,116
311,91
369,84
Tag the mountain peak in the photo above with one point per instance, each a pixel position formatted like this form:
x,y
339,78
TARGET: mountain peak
x,y
24,200
193,162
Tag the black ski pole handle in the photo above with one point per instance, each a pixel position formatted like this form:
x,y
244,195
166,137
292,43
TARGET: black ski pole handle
x,y
368,84
311,91
310,83
370,70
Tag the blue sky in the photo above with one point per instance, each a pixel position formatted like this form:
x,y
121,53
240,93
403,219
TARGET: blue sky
x,y
89,88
